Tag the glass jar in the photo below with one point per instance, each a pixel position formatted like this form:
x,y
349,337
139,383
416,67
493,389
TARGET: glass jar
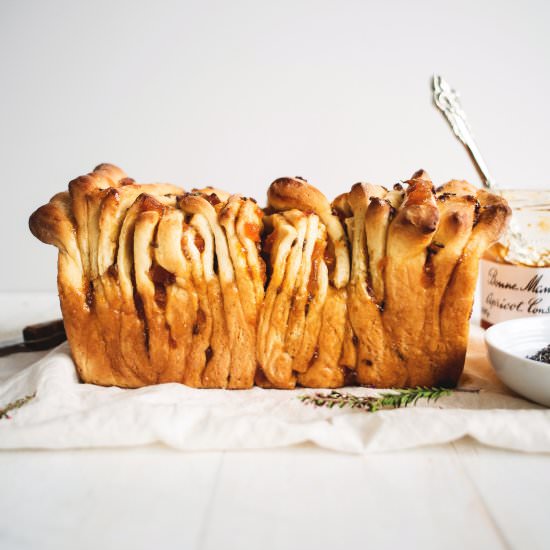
x,y
515,272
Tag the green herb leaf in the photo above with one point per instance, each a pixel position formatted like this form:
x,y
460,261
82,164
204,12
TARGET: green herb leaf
x,y
17,404
392,399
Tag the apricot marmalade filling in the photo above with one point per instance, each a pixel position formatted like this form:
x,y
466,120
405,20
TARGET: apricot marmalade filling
x,y
252,231
161,279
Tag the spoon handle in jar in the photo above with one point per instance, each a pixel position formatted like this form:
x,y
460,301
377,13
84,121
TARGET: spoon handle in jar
x,y
446,100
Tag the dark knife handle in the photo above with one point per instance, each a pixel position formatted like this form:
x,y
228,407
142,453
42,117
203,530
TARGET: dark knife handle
x,y
43,331
40,336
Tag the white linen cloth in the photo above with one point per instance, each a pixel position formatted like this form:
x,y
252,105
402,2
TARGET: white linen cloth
x,y
68,414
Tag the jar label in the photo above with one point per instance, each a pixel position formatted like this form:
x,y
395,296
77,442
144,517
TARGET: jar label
x,y
512,291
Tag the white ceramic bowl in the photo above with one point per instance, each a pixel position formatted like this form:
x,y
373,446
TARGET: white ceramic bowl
x,y
509,343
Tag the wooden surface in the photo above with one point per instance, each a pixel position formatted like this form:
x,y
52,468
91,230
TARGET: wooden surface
x,y
455,496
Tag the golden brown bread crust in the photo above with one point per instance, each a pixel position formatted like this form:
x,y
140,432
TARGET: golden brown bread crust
x,y
103,326
157,285
324,365
491,215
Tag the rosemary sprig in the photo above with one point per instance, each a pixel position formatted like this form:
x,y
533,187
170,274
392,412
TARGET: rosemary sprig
x,y
17,404
393,399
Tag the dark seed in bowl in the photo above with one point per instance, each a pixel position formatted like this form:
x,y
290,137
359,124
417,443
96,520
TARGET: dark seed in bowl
x,y
542,355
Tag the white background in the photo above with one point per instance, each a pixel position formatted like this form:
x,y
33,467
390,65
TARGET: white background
x,y
235,94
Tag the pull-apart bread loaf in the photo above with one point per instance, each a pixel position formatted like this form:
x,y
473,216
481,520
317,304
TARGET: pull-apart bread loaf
x,y
207,289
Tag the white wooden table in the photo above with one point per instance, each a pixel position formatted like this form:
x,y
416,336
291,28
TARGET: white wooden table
x,y
455,496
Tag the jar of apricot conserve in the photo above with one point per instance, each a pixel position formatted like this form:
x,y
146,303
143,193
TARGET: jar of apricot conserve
x,y
515,272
